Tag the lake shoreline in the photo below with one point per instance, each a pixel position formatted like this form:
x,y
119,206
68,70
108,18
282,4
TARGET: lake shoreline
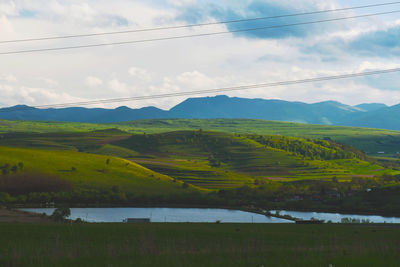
x,y
212,215
257,210
165,215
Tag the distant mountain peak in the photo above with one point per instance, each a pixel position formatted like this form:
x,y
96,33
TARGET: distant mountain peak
x,y
371,106
19,107
123,108
331,112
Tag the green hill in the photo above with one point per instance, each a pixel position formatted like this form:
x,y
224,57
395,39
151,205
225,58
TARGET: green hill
x,y
91,172
369,140
222,160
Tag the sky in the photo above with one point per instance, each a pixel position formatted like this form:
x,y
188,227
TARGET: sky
x,y
201,63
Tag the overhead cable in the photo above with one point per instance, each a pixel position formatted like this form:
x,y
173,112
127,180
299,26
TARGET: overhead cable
x,y
196,25
192,35
207,91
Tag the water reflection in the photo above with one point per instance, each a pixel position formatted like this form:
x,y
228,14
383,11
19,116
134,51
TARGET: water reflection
x,y
337,217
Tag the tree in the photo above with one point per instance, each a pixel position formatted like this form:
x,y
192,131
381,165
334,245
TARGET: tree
x,y
61,214
5,198
6,169
14,169
115,189
20,166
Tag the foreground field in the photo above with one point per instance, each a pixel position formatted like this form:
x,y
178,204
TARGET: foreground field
x,y
198,245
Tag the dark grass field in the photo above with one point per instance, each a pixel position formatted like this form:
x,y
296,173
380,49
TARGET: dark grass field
x,y
198,245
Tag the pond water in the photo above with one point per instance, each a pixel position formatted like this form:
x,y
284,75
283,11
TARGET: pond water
x,y
165,215
337,217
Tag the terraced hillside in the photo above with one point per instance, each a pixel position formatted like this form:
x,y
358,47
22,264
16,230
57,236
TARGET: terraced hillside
x,y
222,160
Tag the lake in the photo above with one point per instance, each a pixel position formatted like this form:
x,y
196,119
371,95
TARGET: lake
x,y
194,215
337,217
177,215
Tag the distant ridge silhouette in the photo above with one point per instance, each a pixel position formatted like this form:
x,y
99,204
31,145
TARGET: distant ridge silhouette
x,y
374,115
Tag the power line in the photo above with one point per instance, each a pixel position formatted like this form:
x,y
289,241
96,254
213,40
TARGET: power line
x,y
193,35
196,25
217,90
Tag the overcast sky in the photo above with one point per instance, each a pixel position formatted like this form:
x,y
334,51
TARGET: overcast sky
x,y
199,63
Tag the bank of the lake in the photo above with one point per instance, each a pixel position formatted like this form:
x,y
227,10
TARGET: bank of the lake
x,y
19,216
171,215
203,215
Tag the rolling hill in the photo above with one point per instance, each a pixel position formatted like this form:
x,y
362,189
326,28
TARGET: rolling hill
x,y
371,141
221,160
207,159
97,174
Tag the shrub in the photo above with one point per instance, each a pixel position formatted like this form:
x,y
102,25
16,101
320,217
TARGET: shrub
x,y
20,166
14,169
5,198
115,189
61,214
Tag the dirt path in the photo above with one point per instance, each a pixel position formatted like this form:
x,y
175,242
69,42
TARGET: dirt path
x,y
21,216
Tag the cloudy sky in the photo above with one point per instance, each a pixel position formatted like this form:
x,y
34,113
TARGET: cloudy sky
x,y
226,60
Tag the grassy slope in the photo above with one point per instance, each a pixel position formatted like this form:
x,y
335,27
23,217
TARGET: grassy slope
x,y
91,170
198,245
368,140
185,155
243,160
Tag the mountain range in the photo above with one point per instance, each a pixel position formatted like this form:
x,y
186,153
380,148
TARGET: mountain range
x,y
372,115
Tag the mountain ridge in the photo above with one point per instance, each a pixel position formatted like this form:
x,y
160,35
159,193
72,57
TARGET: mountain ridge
x,y
373,115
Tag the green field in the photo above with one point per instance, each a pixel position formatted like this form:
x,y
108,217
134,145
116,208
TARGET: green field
x,y
371,141
198,245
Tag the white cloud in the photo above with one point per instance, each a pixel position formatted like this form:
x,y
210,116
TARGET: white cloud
x,y
6,27
195,80
118,87
14,95
92,81
8,8
8,78
48,82
140,74
181,3
370,66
